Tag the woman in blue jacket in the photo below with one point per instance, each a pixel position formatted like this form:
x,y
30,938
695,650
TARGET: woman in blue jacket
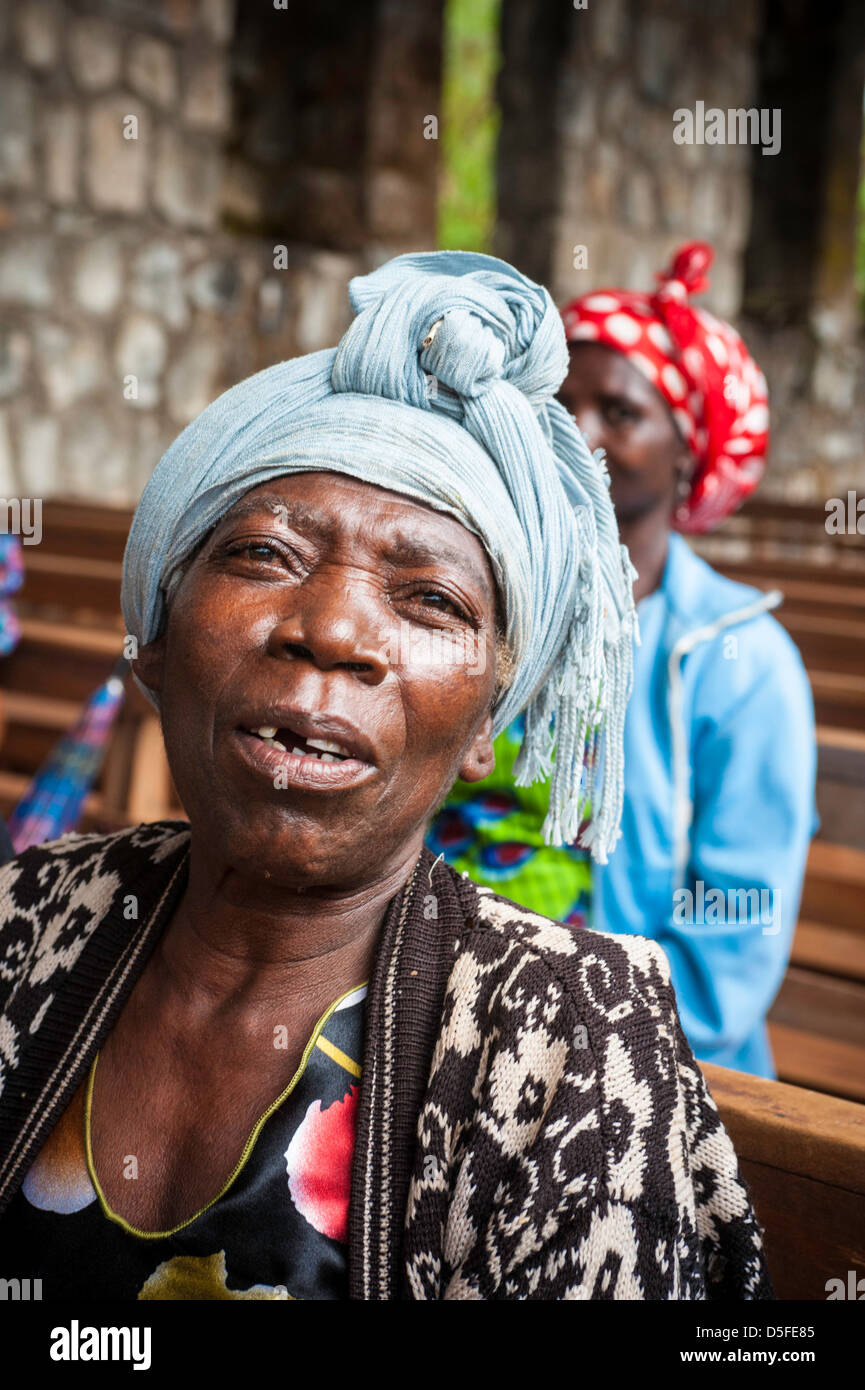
x,y
720,750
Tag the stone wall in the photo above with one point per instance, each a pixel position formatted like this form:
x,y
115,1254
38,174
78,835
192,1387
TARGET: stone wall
x,y
603,170
801,310
587,160
158,238
185,190
327,143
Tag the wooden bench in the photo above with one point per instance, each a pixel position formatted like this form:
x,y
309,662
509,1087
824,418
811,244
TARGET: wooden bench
x,y
841,785
135,784
71,634
817,1022
824,602
803,1157
765,527
84,529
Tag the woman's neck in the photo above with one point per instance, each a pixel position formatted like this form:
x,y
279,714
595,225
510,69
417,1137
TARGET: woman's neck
x,y
647,539
233,940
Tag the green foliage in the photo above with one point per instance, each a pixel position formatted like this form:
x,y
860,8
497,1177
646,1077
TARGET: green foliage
x,y
469,125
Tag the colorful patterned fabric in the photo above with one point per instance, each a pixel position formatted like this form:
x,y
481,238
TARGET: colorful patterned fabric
x,y
277,1230
53,802
11,579
491,830
702,368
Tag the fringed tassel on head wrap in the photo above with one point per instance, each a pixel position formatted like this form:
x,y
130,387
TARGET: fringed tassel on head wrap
x,y
587,691
490,445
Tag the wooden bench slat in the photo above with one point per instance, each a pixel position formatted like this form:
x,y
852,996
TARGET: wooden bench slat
x,y
816,594
71,585
773,570
838,684
812,1231
45,711
829,1065
821,1003
13,785
840,862
84,529
64,567
834,888
72,637
763,1116
802,1155
832,950
841,754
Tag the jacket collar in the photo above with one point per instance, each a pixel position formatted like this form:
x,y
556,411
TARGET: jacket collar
x,y
404,1008
695,593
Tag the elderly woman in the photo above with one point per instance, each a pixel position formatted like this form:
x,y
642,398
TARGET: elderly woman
x,y
282,1052
720,747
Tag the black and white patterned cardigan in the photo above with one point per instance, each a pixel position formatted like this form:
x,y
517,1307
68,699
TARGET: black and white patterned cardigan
x,y
532,1121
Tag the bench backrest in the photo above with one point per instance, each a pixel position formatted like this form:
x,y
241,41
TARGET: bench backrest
x,y
803,1157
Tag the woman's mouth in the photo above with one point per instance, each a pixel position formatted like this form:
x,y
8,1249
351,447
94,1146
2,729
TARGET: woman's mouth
x,y
325,750
290,759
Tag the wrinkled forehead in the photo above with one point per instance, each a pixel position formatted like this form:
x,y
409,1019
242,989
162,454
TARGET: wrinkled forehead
x,y
335,507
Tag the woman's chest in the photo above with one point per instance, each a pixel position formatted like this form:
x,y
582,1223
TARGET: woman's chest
x,y
163,1139
172,1109
215,1206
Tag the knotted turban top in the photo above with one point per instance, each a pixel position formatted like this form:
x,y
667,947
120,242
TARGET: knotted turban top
x,y
442,390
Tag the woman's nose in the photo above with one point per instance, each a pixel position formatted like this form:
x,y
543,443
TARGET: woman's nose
x,y
334,621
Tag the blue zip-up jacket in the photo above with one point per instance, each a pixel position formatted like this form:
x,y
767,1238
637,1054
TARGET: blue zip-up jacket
x,y
720,769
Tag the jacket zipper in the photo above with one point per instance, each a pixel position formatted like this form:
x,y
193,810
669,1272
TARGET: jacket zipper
x,y
683,806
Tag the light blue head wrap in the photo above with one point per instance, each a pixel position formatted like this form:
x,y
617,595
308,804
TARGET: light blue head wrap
x,y
442,389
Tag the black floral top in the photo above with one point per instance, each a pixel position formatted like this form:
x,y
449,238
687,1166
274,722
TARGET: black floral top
x,y
277,1230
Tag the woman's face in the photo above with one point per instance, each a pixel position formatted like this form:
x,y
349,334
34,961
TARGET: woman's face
x,y
620,411
332,610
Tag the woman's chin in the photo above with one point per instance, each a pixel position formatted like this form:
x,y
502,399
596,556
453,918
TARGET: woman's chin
x,y
275,846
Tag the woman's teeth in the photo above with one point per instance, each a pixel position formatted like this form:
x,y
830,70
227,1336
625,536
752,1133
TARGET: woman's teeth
x,y
325,750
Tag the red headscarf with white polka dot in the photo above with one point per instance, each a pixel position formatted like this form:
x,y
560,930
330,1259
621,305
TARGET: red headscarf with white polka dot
x,y
701,367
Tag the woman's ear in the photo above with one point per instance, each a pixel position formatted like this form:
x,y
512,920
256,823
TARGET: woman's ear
x,y
685,466
148,665
479,759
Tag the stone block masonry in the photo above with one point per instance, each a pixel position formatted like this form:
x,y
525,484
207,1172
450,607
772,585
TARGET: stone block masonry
x,y
149,170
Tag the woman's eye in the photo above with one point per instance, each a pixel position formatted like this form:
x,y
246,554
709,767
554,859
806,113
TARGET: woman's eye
x,y
256,550
619,414
437,602
262,553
